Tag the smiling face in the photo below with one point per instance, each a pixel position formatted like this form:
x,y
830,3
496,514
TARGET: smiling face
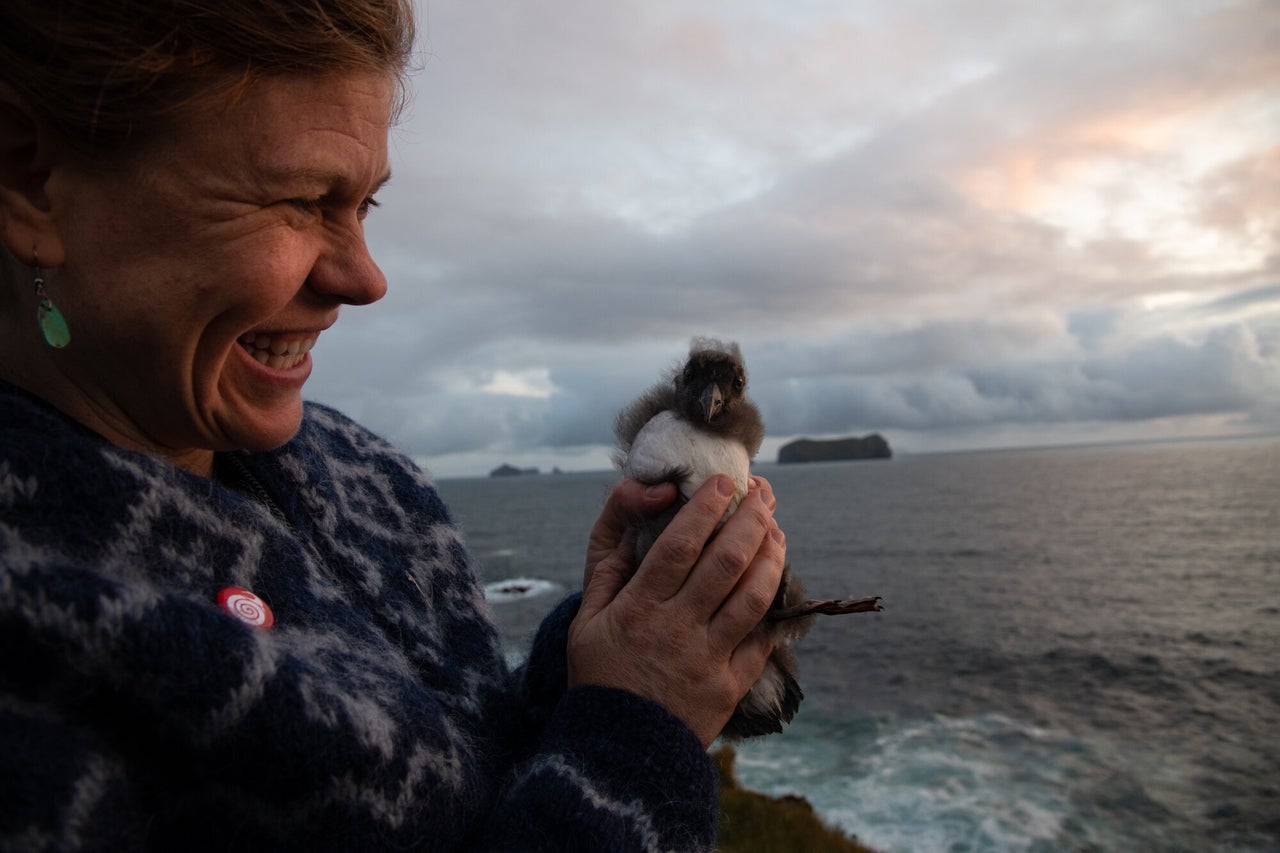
x,y
196,279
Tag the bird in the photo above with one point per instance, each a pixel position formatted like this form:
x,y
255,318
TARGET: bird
x,y
695,423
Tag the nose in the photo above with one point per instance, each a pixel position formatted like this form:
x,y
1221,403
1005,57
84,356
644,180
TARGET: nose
x,y
346,271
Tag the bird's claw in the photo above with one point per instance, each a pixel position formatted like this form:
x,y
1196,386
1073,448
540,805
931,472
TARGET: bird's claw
x,y
830,607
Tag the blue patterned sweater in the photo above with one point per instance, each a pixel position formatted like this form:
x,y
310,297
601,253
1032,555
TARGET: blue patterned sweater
x,y
377,712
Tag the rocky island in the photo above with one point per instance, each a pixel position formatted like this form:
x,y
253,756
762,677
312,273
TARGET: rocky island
x,y
809,450
508,470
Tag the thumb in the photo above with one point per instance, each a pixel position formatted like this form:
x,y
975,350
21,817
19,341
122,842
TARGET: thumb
x,y
606,578
629,500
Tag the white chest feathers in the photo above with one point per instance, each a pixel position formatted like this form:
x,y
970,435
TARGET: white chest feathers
x,y
667,444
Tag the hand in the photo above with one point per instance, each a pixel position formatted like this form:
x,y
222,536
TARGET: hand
x,y
679,631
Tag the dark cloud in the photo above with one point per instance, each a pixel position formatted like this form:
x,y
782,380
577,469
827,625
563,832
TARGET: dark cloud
x,y
941,218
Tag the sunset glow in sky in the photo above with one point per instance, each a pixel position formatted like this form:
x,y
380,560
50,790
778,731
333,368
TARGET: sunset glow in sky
x,y
961,224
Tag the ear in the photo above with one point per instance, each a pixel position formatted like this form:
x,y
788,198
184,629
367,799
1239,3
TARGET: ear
x,y
27,156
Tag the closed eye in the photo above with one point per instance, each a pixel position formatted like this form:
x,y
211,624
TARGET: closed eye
x,y
306,205
314,206
365,206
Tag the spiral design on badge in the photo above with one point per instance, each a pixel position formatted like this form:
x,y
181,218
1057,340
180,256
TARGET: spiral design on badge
x,y
246,607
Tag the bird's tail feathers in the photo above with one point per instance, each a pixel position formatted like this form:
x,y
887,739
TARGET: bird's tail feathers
x,y
772,701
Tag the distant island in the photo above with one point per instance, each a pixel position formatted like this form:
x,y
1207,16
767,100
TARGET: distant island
x,y
809,450
505,470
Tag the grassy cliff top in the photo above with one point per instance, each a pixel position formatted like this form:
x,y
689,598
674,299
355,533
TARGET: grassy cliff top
x,y
755,823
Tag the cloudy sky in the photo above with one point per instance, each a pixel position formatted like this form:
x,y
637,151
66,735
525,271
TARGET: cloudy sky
x,y
961,223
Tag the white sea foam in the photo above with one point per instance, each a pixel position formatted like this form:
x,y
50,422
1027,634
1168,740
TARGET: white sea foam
x,y
517,589
976,783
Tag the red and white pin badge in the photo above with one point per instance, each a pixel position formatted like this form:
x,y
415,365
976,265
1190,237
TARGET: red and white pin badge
x,y
246,607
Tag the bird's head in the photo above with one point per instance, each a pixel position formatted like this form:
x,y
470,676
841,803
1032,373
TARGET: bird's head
x,y
712,381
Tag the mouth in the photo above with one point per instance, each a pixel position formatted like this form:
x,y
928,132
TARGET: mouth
x,y
281,351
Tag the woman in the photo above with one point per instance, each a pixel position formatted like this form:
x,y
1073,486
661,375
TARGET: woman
x,y
232,619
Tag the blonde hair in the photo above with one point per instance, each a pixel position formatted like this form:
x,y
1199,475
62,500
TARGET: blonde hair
x,y
108,76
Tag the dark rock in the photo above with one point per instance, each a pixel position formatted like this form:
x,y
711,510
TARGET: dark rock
x,y
809,450
505,470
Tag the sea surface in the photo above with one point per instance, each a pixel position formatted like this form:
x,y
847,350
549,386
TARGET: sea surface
x,y
1080,648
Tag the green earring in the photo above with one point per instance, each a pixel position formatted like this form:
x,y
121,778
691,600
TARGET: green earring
x,y
52,324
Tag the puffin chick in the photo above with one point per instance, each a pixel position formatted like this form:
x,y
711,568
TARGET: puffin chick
x,y
695,424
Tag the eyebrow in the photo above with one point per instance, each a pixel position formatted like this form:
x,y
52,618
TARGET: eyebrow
x,y
326,177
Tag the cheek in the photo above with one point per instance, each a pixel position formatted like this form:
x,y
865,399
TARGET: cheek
x,y
252,285
274,276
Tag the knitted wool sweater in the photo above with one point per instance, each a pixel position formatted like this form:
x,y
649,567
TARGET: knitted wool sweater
x,y
376,713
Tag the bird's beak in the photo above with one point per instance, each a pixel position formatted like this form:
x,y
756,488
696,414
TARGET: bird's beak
x,y
711,401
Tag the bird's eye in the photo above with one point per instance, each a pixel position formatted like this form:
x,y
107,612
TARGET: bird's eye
x,y
739,383
688,374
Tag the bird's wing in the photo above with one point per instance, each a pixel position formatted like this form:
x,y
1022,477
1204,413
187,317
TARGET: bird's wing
x,y
638,413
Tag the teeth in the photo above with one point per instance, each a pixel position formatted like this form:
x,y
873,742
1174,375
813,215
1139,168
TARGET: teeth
x,y
276,353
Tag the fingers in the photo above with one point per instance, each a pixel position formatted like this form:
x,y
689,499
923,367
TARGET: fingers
x,y
604,578
731,554
680,631
726,584
758,483
628,500
669,562
748,660
753,595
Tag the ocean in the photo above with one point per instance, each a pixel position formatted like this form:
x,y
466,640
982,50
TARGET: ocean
x,y
1080,648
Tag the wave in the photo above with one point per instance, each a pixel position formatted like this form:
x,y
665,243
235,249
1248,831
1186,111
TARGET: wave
x,y
985,782
517,589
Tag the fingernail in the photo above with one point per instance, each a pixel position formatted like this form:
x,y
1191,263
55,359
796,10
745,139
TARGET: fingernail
x,y
778,536
655,490
725,486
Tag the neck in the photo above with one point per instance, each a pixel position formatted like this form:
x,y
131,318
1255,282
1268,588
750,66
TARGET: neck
x,y
103,420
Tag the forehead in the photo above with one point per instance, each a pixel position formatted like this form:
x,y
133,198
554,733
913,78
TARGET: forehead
x,y
332,128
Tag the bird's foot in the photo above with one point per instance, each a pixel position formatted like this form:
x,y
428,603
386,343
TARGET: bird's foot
x,y
830,607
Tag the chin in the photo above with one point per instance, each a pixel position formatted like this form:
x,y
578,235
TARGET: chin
x,y
263,431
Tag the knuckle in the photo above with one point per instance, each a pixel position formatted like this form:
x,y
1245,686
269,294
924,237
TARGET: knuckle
x,y
752,518
681,548
760,515
776,554
707,517
756,600
731,558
